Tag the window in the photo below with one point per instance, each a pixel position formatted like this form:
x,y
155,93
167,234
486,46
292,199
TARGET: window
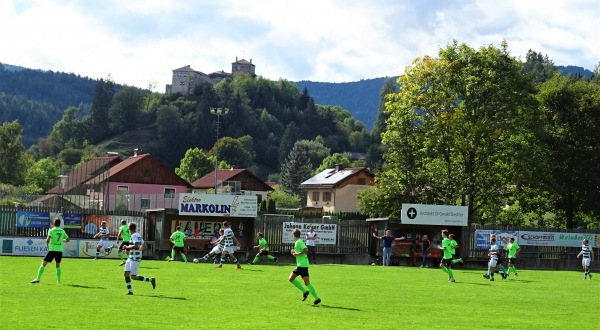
x,y
326,196
361,181
315,196
169,193
122,189
145,203
258,199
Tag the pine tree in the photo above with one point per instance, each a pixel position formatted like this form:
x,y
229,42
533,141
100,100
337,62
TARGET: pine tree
x,y
295,170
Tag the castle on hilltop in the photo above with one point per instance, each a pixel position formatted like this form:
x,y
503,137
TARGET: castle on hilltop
x,y
186,79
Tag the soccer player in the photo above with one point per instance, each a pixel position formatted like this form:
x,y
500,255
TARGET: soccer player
x,y
588,255
217,247
453,247
446,264
388,239
229,246
126,235
178,240
134,258
493,254
499,266
264,249
56,237
299,251
103,243
513,249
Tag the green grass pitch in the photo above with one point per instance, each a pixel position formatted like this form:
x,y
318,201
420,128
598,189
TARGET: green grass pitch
x,y
260,297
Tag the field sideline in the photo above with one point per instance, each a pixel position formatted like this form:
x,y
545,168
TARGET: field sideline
x,y
260,297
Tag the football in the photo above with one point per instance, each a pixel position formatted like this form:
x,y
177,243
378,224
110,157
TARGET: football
x,y
196,260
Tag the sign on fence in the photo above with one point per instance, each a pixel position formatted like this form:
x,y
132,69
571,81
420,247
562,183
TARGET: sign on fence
x,y
197,229
27,219
214,205
554,238
482,237
326,233
439,215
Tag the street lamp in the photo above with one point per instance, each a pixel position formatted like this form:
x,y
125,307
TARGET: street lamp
x,y
218,112
63,182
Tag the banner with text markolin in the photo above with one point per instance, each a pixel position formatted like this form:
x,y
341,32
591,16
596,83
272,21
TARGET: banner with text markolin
x,y
214,205
438,215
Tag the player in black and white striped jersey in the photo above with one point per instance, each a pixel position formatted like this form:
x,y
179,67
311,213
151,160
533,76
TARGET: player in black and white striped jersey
x,y
134,257
230,245
587,255
103,243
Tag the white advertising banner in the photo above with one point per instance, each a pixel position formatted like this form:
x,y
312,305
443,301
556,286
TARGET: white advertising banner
x,y
215,205
326,233
538,238
87,249
439,215
37,247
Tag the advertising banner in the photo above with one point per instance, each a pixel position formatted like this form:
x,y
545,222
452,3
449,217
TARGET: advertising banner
x,y
87,249
27,219
91,223
197,229
72,220
326,233
439,215
537,238
37,247
215,205
482,237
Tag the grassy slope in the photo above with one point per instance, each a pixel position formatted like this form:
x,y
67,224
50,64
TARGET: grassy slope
x,y
260,297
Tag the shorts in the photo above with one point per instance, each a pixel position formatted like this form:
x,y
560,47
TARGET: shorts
x,y
585,262
217,249
301,271
132,266
512,260
103,244
447,263
263,253
123,244
230,249
493,262
57,255
178,249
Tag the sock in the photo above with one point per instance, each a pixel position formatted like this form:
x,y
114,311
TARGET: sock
x,y
270,257
503,269
255,260
445,270
184,257
489,272
58,273
40,272
454,261
128,282
235,260
509,270
141,278
312,290
121,255
450,273
222,260
297,284
172,254
97,253
206,256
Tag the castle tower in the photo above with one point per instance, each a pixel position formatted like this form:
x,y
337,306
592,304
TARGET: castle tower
x,y
243,66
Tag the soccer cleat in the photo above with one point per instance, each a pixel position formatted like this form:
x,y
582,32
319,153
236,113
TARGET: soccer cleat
x,y
318,301
122,263
452,280
129,293
590,276
35,281
516,274
486,276
492,279
250,263
305,295
504,276
275,259
461,261
153,282
238,266
219,266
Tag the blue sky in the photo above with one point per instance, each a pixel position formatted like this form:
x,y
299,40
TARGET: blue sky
x,y
140,42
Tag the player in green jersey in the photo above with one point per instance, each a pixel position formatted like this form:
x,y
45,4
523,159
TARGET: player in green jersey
x,y
299,251
178,240
126,235
263,247
446,264
56,237
513,249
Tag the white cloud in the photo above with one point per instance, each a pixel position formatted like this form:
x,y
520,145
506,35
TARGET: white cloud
x,y
137,42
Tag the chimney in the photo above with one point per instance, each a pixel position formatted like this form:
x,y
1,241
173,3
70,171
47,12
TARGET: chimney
x,y
236,58
338,167
250,61
135,152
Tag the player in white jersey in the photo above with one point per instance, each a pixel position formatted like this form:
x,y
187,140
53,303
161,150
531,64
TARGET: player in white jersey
x,y
587,255
134,258
217,247
103,243
493,254
230,245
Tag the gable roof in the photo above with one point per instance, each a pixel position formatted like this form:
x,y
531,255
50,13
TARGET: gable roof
x,y
332,177
85,172
208,181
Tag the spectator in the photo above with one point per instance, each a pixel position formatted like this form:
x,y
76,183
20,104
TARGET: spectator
x,y
311,237
388,239
426,245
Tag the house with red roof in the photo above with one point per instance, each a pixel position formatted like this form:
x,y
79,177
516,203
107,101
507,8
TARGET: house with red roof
x,y
233,181
336,189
